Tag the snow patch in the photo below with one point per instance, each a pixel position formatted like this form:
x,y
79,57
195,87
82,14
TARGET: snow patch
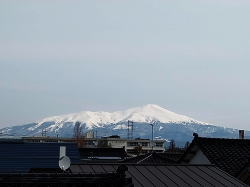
x,y
120,127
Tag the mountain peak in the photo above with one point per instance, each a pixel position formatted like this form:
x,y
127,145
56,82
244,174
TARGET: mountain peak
x,y
147,113
152,107
151,112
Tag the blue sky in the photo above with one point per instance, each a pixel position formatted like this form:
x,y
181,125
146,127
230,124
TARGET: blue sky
x,y
191,57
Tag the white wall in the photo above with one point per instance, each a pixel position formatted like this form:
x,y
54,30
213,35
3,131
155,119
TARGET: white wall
x,y
199,158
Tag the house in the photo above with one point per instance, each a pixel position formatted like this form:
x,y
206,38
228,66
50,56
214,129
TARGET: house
x,y
230,155
130,145
244,174
17,156
36,164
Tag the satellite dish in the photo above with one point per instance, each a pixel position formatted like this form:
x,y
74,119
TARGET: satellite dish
x,y
64,163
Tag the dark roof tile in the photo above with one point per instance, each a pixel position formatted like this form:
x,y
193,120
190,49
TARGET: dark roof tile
x,y
168,175
230,155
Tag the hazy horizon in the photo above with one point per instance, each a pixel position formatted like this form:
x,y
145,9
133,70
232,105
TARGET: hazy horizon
x,y
190,57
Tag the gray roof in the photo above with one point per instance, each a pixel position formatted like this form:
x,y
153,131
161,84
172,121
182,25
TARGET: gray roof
x,y
150,158
166,175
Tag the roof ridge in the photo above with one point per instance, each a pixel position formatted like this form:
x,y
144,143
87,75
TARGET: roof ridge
x,y
145,158
211,138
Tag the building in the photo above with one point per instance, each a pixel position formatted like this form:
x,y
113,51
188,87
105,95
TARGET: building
x,y
133,146
230,155
20,157
37,164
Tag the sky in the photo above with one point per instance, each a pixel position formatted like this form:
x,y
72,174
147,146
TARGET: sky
x,y
61,56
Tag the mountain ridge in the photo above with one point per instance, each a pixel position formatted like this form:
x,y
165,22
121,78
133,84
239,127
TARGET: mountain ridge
x,y
147,113
167,125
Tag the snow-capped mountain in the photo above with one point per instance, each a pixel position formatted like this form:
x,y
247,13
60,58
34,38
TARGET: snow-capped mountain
x,y
168,125
146,114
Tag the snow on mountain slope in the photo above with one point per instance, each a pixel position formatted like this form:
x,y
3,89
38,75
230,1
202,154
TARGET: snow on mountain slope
x,y
145,114
169,125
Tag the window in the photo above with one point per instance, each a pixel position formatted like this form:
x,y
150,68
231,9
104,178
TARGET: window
x,y
159,144
144,144
132,144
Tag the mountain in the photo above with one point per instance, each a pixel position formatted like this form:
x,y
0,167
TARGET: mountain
x,y
167,125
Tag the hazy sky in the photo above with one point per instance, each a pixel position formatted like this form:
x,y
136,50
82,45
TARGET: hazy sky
x,y
189,56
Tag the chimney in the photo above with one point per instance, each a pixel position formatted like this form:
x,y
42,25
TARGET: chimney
x,y
241,134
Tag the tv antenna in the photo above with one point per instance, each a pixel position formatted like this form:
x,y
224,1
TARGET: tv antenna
x,y
64,161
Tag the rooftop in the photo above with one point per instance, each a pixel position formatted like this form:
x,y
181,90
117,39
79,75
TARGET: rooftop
x,y
102,154
153,158
230,155
166,175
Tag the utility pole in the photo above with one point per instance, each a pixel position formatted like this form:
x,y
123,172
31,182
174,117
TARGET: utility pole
x,y
152,140
77,130
130,129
